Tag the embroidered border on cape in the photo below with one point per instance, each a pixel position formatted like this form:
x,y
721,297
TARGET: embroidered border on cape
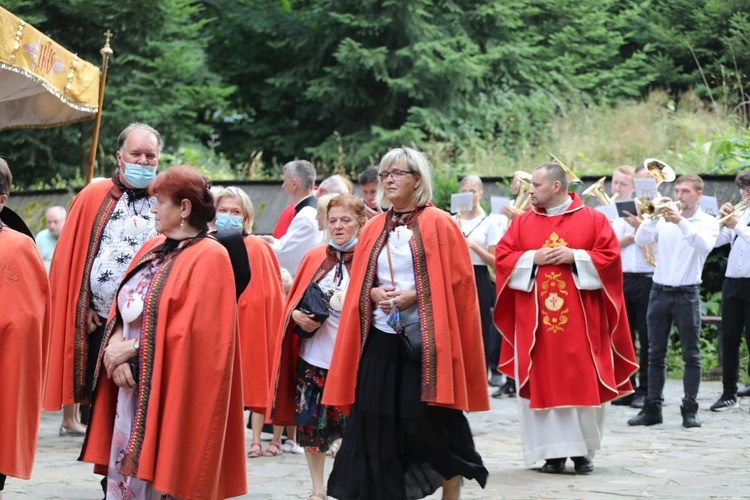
x,y
80,341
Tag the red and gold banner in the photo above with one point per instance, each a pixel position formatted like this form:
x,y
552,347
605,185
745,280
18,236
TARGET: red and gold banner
x,y
41,83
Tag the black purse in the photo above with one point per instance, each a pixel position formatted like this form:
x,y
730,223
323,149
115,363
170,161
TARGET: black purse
x,y
313,302
411,334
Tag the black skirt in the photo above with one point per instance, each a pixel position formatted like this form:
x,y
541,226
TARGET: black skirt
x,y
490,335
395,446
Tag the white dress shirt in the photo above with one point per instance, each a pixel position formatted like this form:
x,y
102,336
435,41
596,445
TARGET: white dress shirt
x,y
738,265
632,257
682,248
302,235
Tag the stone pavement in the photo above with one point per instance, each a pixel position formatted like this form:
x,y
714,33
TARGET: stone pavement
x,y
663,461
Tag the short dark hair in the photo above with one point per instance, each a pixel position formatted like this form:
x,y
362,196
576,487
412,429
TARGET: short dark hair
x,y
368,176
743,179
554,172
184,182
6,178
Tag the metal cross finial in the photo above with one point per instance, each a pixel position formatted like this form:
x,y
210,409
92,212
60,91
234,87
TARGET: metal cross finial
x,y
107,50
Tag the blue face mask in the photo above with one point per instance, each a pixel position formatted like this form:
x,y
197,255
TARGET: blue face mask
x,y
227,224
139,176
345,247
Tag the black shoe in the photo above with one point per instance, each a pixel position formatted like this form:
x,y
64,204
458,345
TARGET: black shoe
x,y
744,392
649,415
508,388
496,380
624,401
689,410
583,465
725,403
638,400
553,466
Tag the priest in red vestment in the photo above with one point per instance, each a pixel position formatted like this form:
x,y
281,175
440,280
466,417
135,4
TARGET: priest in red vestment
x,y
560,311
24,342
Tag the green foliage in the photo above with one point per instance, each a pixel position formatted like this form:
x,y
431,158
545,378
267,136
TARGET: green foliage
x,y
212,165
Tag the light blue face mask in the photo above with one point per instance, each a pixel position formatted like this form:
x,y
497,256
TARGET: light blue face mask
x,y
344,247
139,176
227,224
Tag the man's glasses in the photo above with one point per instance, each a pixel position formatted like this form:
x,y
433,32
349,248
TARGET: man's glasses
x,y
397,174
745,190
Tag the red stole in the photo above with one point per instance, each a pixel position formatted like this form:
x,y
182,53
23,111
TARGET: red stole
x,y
573,346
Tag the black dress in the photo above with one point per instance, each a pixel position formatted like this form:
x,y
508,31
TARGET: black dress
x,y
395,446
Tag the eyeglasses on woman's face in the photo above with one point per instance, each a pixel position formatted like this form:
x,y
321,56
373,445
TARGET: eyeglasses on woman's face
x,y
396,174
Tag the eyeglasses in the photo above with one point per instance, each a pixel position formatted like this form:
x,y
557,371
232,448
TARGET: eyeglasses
x,y
745,190
397,174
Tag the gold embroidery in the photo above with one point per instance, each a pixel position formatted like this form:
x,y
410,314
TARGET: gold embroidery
x,y
553,293
554,241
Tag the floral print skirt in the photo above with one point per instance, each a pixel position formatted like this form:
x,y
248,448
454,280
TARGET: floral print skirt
x,y
318,425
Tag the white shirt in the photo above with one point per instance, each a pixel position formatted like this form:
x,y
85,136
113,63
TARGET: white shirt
x,y
632,257
302,235
403,273
738,265
485,231
682,247
318,349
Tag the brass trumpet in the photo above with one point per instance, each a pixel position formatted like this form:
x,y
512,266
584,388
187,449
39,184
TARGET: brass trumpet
x,y
524,183
658,207
659,170
597,190
737,211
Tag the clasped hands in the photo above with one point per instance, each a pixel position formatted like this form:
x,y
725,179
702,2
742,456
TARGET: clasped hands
x,y
554,256
116,356
387,297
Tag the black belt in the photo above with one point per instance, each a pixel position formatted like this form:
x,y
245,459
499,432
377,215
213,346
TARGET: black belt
x,y
737,279
675,289
638,275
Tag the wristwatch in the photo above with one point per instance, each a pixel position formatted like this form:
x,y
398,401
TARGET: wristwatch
x,y
137,344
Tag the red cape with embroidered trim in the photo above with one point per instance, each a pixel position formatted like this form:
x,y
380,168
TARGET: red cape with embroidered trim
x,y
260,308
66,274
454,375
24,347
194,441
286,353
574,346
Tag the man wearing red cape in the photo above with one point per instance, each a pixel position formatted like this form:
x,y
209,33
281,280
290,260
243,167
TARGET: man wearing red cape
x,y
560,311
24,343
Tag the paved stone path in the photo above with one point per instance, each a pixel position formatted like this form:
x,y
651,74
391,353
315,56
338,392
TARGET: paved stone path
x,y
663,461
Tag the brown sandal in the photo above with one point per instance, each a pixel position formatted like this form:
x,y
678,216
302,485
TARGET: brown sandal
x,y
256,450
273,449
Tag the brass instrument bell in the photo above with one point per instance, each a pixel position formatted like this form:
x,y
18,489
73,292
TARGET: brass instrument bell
x,y
737,211
597,190
659,170
573,180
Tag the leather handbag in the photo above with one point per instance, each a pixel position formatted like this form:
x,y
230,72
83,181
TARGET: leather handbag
x,y
411,334
313,302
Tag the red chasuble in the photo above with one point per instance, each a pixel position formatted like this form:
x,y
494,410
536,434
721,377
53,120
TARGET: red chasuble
x,y
260,308
24,343
573,346
286,353
69,283
454,373
188,435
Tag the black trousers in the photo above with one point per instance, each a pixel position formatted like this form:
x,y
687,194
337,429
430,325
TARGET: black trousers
x,y
735,315
636,288
95,343
490,335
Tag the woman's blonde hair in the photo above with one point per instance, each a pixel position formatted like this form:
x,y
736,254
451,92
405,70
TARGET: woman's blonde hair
x,y
416,162
248,213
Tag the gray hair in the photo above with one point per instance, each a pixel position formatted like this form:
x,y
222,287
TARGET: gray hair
x,y
6,178
416,162
138,126
303,171
335,184
248,213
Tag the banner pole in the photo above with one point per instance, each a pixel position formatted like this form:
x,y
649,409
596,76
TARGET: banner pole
x,y
106,52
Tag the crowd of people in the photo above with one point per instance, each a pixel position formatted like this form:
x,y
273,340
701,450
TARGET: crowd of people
x,y
364,328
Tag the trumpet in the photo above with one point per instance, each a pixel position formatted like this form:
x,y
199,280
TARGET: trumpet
x,y
597,190
737,211
524,183
658,207
659,170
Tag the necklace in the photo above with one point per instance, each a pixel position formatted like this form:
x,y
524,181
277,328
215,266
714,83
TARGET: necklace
x,y
136,224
